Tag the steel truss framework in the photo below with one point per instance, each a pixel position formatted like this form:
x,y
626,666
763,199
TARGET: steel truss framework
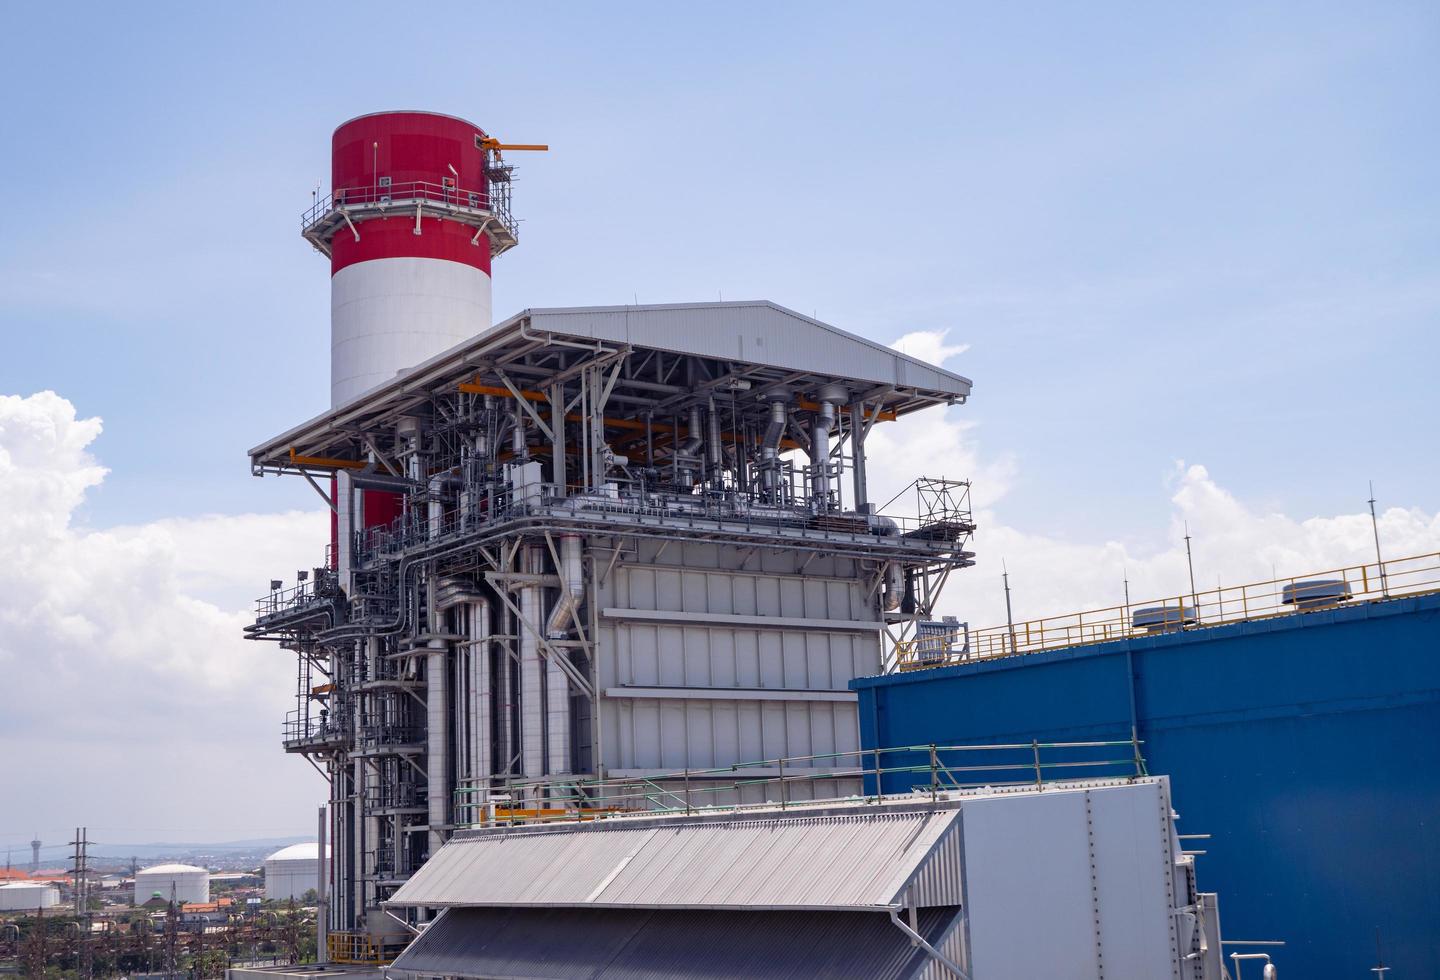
x,y
560,558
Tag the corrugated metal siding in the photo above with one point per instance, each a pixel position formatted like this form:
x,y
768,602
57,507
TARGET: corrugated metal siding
x,y
832,861
622,944
639,733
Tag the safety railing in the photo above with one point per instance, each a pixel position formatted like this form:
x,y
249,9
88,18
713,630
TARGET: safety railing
x,y
794,780
301,727
284,600
363,948
1330,589
730,510
405,193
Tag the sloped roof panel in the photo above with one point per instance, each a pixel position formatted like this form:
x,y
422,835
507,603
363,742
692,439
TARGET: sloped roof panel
x,y
845,860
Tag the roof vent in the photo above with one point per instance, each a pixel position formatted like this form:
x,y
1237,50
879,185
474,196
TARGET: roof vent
x,y
1163,619
1315,593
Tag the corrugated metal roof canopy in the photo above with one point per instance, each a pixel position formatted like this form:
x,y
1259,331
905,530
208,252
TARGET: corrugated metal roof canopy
x,y
621,944
756,347
860,858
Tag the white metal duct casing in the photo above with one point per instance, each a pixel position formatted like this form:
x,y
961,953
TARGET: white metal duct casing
x,y
1090,870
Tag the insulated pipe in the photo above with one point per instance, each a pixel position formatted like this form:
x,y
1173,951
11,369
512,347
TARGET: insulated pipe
x,y
557,716
532,704
696,438
770,445
894,586
775,431
437,756
715,448
572,587
480,686
831,396
517,436
435,507
820,451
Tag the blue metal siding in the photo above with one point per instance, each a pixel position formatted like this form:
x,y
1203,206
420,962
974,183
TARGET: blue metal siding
x,y
1307,745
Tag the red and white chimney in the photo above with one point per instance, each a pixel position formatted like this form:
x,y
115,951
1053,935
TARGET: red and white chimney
x,y
410,228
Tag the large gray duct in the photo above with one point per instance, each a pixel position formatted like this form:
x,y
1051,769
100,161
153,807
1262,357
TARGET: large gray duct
x,y
687,453
770,443
572,587
831,396
894,586
715,449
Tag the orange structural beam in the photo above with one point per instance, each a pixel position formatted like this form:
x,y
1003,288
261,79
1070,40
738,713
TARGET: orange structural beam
x,y
341,464
475,388
884,415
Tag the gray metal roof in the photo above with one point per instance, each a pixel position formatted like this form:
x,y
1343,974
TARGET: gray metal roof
x,y
843,858
755,343
755,332
629,944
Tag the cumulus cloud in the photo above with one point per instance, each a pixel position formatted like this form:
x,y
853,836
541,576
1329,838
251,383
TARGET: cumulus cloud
x,y
135,706
929,346
1233,543
123,650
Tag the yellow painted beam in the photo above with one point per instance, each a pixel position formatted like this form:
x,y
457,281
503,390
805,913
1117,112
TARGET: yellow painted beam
x,y
325,461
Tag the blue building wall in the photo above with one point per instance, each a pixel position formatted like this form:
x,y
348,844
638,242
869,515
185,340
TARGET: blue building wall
x,y
1307,745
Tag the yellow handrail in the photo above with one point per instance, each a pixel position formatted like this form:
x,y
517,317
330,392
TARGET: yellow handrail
x,y
1416,575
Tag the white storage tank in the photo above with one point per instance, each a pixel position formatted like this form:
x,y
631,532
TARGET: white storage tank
x,y
189,883
292,871
21,895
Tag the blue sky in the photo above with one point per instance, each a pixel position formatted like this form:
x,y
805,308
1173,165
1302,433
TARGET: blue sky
x,y
1205,233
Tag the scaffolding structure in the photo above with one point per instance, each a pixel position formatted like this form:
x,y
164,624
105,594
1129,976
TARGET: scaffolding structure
x,y
598,544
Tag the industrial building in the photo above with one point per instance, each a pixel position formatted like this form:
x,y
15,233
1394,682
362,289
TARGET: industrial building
x,y
1299,720
172,882
22,895
294,871
933,885
601,575
597,541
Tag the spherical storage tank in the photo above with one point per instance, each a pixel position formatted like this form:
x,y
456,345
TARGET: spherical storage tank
x,y
21,895
292,871
189,883
403,289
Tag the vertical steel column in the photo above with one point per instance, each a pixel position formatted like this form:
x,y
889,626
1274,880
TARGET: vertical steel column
x,y
857,445
322,891
557,425
345,512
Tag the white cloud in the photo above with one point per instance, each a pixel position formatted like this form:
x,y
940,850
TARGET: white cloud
x,y
929,346
123,652
1233,543
133,701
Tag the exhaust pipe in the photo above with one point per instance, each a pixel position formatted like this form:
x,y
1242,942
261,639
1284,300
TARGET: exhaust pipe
x,y
830,397
894,586
572,587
